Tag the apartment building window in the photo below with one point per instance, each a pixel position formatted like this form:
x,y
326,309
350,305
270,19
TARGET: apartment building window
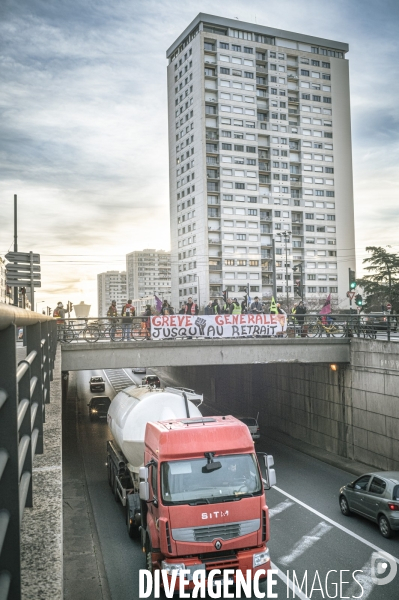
x,y
330,217
240,186
235,48
315,63
248,75
326,99
330,194
223,45
325,65
311,290
322,290
248,50
309,216
209,46
224,71
311,277
241,263
241,236
305,73
316,98
253,212
238,148
333,290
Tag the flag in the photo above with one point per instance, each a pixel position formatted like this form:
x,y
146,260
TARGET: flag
x,y
158,303
273,306
326,310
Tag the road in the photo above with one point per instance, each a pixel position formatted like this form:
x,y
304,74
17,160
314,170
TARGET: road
x,y
308,532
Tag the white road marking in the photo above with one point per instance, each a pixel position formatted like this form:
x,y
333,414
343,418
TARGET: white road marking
x,y
107,378
276,510
325,518
128,374
294,588
306,542
366,582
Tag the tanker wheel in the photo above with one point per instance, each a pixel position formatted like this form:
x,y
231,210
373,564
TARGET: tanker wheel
x,y
148,554
115,488
130,525
109,471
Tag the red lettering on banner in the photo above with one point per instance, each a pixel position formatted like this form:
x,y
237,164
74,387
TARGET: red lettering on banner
x,y
172,321
165,320
180,320
188,321
243,319
227,319
259,319
156,321
273,319
251,318
235,319
219,320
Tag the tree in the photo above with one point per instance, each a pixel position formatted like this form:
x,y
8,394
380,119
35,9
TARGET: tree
x,y
381,285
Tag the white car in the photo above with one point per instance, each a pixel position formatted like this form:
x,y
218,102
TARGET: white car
x,y
139,370
252,425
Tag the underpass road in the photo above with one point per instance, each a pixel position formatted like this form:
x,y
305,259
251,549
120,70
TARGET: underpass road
x,y
308,532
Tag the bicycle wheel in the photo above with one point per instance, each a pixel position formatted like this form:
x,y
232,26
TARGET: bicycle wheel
x,y
69,334
338,330
313,330
91,333
139,333
116,333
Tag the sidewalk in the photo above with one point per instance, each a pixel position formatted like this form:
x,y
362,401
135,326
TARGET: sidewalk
x,y
41,532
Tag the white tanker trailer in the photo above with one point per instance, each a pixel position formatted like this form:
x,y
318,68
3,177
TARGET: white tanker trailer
x,y
128,415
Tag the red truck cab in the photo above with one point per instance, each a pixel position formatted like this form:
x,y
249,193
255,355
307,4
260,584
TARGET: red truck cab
x,y
203,500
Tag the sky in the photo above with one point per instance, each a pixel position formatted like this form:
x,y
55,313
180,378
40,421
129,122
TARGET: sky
x,y
83,128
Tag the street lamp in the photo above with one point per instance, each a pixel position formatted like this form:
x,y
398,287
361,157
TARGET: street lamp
x,y
40,302
285,235
300,267
199,301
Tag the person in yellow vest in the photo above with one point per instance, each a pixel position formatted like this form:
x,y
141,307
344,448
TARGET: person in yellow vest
x,y
235,307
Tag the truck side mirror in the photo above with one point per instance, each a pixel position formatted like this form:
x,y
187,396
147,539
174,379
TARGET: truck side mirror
x,y
144,491
266,462
143,473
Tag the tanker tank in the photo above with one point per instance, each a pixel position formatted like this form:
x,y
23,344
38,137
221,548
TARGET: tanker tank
x,y
134,407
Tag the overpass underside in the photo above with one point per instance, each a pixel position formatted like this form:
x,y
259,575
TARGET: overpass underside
x,y
195,352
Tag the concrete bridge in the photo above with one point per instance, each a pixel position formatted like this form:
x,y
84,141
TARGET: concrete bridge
x,y
201,352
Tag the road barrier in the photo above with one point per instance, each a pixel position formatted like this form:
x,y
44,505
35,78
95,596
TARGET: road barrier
x,y
24,392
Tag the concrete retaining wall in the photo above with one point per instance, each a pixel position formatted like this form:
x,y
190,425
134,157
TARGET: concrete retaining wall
x,y
352,412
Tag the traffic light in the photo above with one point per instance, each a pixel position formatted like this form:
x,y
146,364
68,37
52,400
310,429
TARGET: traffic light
x,y
352,279
359,300
298,288
69,307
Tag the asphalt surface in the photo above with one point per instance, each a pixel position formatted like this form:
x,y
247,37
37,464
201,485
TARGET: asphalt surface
x,y
309,535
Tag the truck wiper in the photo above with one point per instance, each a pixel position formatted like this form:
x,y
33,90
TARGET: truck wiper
x,y
198,502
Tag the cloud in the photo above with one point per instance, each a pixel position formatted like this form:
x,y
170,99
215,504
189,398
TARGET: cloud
x,y
83,126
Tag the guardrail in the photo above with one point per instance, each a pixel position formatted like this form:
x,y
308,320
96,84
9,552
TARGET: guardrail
x,y
24,392
120,329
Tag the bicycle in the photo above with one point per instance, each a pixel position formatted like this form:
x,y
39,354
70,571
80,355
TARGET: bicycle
x,y
331,329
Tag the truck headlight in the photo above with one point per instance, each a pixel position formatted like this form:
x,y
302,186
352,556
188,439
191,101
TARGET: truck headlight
x,y
169,567
261,558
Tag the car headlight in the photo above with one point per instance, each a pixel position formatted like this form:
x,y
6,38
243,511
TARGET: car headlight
x,y
94,410
260,559
169,567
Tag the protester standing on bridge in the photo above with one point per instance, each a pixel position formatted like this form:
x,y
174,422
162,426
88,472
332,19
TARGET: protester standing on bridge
x,y
299,313
235,307
191,307
59,313
215,308
208,308
256,307
226,307
128,312
166,308
112,312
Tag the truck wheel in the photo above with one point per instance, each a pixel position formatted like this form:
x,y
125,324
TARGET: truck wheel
x,y
131,528
109,471
148,554
115,489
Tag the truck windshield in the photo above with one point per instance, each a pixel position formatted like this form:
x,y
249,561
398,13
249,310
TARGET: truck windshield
x,y
188,482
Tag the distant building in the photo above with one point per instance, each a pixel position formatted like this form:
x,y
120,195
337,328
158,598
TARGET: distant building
x,y
111,285
259,152
148,273
3,287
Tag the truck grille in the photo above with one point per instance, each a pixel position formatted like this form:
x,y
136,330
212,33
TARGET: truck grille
x,y
222,531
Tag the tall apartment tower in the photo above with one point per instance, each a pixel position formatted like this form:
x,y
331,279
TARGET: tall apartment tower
x,y
111,285
148,272
260,148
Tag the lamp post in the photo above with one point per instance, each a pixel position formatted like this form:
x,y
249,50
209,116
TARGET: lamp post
x,y
199,297
300,267
285,235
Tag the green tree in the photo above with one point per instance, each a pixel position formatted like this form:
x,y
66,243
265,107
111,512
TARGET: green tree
x,y
381,285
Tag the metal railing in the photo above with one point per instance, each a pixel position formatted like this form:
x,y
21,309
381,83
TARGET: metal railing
x,y
24,392
121,329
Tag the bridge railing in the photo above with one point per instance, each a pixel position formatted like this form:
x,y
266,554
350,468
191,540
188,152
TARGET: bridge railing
x,y
24,392
119,329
